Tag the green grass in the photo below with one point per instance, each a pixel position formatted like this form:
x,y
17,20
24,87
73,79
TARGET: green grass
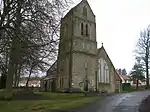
x,y
58,101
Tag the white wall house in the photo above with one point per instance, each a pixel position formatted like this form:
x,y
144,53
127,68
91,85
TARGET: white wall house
x,y
30,83
140,83
125,78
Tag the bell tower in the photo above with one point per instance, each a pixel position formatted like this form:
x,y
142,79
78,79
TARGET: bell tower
x,y
78,48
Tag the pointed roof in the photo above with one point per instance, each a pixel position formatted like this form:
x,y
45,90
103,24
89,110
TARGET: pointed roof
x,y
88,5
102,48
51,72
72,9
125,77
52,69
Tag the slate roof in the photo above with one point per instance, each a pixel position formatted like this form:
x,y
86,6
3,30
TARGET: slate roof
x,y
52,72
52,69
125,77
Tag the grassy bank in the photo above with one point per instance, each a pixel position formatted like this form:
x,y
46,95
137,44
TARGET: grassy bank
x,y
50,103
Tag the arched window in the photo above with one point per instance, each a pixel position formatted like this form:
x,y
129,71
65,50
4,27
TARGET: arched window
x,y
103,71
81,28
104,76
84,11
99,70
86,26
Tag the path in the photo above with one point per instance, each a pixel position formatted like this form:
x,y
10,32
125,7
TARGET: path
x,y
127,102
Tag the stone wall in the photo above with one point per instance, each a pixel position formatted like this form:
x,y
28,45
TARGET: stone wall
x,y
83,66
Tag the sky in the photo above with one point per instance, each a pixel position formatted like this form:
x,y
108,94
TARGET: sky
x,y
119,23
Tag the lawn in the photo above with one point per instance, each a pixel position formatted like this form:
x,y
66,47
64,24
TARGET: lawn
x,y
55,101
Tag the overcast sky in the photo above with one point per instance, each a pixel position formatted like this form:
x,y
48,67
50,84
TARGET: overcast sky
x,y
118,26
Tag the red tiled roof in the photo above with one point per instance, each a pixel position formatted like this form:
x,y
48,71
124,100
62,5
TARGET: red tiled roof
x,y
125,77
118,78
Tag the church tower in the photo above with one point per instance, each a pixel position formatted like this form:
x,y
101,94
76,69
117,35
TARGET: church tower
x,y
78,48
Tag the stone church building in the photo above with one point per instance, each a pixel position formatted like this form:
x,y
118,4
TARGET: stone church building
x,y
79,60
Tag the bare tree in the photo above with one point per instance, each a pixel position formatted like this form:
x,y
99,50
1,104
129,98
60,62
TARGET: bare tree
x,y
143,51
32,30
124,72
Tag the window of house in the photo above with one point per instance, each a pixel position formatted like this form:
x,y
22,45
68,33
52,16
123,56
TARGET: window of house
x,y
86,28
81,28
103,71
84,11
106,75
103,80
99,70
100,75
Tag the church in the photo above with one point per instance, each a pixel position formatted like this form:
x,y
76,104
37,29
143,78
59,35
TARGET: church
x,y
79,60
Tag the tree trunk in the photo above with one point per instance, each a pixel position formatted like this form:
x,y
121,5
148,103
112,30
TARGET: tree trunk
x,y
147,72
16,76
14,49
29,77
11,72
19,73
137,84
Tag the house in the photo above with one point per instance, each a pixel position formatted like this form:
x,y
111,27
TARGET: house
x,y
80,64
140,82
33,83
125,78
